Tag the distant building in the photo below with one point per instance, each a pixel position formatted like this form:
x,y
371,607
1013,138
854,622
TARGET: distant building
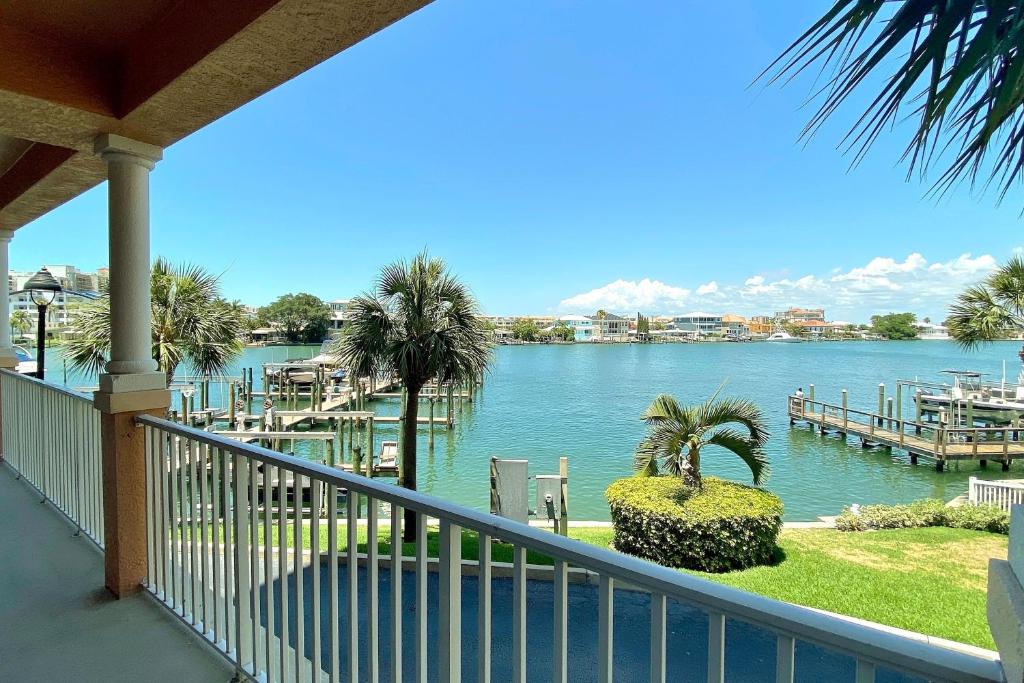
x,y
339,313
795,315
581,325
610,328
58,314
702,324
761,325
931,331
735,327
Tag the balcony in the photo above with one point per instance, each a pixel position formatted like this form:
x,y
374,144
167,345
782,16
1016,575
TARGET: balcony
x,y
226,592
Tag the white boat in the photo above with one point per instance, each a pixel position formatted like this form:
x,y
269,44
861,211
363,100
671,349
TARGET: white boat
x,y
783,338
990,402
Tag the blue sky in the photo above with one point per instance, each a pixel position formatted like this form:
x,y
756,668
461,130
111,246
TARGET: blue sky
x,y
558,155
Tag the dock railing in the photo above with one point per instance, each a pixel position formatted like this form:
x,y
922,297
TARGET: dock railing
x,y
219,558
51,437
1002,494
933,439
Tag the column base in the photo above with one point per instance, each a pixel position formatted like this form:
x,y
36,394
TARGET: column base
x,y
124,484
8,361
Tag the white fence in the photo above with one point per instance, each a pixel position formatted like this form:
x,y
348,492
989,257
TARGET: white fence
x,y
221,512
1000,493
51,436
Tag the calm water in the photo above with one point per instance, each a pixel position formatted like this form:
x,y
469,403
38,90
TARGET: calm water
x,y
584,402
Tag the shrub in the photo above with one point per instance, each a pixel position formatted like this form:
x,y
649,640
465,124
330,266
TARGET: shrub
x,y
723,526
927,512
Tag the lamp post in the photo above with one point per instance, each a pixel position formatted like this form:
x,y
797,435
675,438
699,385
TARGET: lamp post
x,y
43,288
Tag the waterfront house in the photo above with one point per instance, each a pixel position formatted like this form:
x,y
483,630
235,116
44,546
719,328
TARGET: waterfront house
x,y
118,578
701,324
610,328
339,313
931,331
735,327
761,326
581,326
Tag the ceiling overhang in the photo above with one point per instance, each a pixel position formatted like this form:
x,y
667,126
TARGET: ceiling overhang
x,y
152,70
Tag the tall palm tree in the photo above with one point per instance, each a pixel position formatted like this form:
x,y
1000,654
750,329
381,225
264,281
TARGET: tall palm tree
x,y
20,322
991,309
190,322
676,435
420,324
955,65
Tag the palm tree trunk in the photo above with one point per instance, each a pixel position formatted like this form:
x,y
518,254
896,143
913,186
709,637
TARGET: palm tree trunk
x,y
694,459
408,472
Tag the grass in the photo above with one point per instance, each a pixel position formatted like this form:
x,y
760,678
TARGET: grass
x,y
930,580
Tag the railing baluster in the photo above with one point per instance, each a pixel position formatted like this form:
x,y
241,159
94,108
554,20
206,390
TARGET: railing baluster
x,y
230,540
282,566
658,638
203,453
483,619
332,554
194,561
605,628
297,570
421,598
519,614
352,592
865,672
372,597
259,652
450,603
716,647
218,552
315,509
785,659
151,563
243,576
175,472
273,657
396,594
560,644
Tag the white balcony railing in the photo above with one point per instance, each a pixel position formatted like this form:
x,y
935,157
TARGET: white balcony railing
x,y
1002,494
51,436
221,513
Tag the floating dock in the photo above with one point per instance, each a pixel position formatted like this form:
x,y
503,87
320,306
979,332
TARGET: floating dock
x,y
938,442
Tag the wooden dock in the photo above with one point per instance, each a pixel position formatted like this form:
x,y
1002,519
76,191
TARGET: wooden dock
x,y
940,443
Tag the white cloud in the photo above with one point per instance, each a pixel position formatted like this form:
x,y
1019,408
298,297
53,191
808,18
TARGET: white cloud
x,y
881,285
629,295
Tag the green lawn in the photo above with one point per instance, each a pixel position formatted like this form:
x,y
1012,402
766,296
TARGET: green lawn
x,y
930,580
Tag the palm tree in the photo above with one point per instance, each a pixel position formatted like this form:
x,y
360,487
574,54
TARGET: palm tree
x,y
420,324
992,309
20,322
676,435
190,322
957,70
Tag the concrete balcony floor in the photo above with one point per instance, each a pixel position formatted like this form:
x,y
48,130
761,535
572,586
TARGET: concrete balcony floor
x,y
60,624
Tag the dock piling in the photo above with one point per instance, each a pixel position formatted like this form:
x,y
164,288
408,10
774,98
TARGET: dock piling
x,y
881,403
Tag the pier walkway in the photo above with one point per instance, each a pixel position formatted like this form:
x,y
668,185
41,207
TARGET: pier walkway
x,y
937,442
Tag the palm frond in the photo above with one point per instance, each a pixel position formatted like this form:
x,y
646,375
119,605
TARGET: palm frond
x,y
958,69
976,316
748,450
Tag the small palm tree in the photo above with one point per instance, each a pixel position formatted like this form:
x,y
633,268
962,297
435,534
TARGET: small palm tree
x,y
992,309
190,322
420,324
20,322
676,436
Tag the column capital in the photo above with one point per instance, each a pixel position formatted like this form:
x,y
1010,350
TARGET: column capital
x,y
110,147
6,235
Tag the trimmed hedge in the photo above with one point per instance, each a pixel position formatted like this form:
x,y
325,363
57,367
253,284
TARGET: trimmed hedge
x,y
922,513
722,527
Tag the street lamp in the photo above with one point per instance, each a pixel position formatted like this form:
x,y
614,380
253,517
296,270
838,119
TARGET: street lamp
x,y
43,288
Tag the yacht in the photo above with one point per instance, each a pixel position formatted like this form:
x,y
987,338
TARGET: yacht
x,y
991,402
26,363
782,337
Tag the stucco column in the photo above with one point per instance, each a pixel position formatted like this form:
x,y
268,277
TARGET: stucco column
x,y
7,357
132,385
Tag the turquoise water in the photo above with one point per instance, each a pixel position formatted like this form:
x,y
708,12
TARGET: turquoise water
x,y
584,402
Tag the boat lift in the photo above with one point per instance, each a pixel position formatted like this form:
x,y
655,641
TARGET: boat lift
x,y
510,493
